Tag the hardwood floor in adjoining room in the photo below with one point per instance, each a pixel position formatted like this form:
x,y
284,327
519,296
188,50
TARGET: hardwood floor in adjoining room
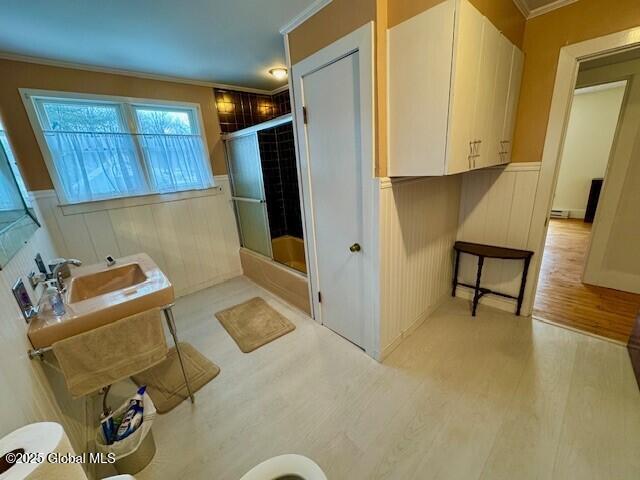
x,y
495,396
561,296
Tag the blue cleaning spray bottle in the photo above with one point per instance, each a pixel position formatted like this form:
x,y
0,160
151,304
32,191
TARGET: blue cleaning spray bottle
x,y
133,416
108,426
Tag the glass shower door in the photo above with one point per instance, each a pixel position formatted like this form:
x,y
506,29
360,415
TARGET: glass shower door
x,y
245,171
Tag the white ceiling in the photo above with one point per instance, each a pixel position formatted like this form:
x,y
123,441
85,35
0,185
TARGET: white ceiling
x,y
225,41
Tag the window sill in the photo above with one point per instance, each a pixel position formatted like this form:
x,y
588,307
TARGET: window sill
x,y
136,201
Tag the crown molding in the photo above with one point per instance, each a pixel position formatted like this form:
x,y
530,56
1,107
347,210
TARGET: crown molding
x,y
280,89
536,12
224,86
132,73
303,16
522,6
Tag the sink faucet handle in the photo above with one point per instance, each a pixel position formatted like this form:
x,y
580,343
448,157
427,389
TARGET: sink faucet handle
x,y
36,279
58,271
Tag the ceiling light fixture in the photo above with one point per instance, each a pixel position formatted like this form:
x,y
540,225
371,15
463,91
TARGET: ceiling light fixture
x,y
279,73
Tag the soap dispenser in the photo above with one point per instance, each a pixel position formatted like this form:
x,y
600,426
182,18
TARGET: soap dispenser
x,y
56,301
52,299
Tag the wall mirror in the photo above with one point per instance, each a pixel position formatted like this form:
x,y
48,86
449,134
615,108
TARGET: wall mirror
x,y
17,220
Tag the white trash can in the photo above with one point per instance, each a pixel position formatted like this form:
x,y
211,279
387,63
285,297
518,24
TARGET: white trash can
x,y
135,452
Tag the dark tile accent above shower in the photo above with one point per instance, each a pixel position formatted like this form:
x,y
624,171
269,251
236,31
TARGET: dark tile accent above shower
x,y
282,102
238,110
280,177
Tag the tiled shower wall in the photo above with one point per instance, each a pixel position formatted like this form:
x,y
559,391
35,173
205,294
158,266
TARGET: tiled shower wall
x,y
268,143
281,180
289,178
238,110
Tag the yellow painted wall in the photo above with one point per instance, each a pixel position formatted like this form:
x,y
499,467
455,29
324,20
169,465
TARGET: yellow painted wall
x,y
543,38
334,21
382,12
15,75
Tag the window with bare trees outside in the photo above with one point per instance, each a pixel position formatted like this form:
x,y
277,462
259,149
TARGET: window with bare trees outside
x,y
104,147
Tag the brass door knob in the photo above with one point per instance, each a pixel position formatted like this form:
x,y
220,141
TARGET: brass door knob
x,y
355,247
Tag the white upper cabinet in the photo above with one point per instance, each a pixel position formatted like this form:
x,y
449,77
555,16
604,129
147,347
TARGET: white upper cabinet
x,y
495,150
453,91
515,76
464,86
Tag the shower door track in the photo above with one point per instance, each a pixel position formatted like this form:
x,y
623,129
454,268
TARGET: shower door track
x,y
248,199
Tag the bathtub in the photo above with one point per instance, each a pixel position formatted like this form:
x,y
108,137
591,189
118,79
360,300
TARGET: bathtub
x,y
287,283
289,251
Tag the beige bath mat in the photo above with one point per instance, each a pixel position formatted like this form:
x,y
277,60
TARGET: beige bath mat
x,y
253,324
165,382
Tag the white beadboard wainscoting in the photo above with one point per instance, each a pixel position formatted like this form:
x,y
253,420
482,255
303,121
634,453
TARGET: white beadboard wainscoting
x,y
496,205
418,225
31,390
193,240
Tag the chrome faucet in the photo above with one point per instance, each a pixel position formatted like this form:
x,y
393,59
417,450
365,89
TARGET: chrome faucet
x,y
57,272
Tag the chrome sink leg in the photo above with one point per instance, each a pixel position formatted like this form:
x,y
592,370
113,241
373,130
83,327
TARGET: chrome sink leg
x,y
171,323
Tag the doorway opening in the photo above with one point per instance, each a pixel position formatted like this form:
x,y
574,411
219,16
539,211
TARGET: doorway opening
x,y
576,287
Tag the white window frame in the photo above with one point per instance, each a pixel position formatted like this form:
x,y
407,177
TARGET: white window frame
x,y
130,122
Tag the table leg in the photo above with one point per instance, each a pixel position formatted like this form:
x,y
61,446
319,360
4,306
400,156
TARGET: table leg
x,y
476,294
523,283
171,323
455,273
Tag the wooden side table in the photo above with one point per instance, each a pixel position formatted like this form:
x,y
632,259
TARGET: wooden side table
x,y
490,251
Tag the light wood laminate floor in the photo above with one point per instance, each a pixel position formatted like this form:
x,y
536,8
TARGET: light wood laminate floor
x,y
491,397
563,298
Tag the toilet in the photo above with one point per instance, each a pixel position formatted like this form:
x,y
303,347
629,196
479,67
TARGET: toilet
x,y
290,467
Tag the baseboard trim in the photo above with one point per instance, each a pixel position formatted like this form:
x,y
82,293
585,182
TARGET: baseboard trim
x,y
209,283
386,351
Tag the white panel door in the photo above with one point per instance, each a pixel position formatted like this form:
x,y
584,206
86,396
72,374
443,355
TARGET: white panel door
x,y
332,100
613,260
